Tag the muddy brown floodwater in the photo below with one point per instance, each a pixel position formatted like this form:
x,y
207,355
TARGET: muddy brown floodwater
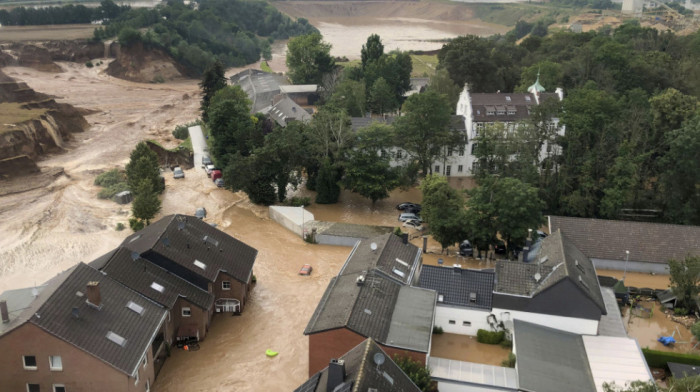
x,y
466,348
648,329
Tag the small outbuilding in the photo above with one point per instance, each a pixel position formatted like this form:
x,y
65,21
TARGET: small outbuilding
x,y
124,197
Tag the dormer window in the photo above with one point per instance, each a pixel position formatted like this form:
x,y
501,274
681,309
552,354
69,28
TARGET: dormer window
x,y
527,98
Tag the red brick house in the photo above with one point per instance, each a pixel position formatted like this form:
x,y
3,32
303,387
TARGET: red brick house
x,y
201,255
82,331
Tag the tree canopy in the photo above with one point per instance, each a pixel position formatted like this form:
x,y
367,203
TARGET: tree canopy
x,y
443,210
308,59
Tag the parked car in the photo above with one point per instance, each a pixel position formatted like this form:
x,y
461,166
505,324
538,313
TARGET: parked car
x,y
216,173
178,173
206,160
306,270
201,213
409,215
219,182
209,168
405,205
412,223
466,249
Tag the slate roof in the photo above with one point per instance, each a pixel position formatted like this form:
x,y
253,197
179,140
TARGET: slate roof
x,y
184,239
357,123
483,103
681,370
88,331
140,274
648,242
455,285
550,360
261,87
380,308
392,258
363,373
557,259
285,111
611,323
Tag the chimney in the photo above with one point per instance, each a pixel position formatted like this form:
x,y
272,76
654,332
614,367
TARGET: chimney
x,y
93,294
4,312
457,269
528,243
336,374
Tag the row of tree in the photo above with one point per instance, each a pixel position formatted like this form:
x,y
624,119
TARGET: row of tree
x,y
68,14
144,180
630,115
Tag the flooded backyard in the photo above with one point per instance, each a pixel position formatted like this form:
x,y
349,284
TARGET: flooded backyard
x,y
648,330
467,349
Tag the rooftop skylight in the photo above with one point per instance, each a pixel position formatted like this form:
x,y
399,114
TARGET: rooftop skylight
x,y
116,338
135,307
155,286
200,264
399,273
405,264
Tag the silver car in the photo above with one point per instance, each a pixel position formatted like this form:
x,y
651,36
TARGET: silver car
x,y
178,173
409,215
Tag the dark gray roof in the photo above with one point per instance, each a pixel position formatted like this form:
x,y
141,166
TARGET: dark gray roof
x,y
140,274
380,308
261,87
681,370
363,373
183,239
558,259
666,296
550,360
357,123
89,330
456,285
392,258
285,111
483,103
648,242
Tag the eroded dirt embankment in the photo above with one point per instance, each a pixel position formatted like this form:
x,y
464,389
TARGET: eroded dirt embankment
x,y
141,64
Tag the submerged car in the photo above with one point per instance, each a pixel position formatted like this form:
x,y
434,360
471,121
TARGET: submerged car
x,y
306,270
409,206
466,249
409,215
178,173
413,223
201,213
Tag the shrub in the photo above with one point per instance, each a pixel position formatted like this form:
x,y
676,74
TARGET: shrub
x,y
110,178
254,279
398,232
506,343
510,361
158,79
297,201
89,64
181,132
120,226
437,330
659,359
680,311
490,337
110,191
136,224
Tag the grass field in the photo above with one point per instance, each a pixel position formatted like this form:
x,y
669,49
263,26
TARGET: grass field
x,y
46,33
423,65
510,14
12,113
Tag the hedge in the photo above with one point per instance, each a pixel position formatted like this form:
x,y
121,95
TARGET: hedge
x,y
488,337
659,359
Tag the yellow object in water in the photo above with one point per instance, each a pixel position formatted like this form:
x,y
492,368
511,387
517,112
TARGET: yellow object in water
x,y
270,353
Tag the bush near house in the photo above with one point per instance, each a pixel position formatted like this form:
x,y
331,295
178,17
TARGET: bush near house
x,y
661,358
490,337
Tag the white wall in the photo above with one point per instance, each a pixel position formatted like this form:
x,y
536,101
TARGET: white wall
x,y
477,318
568,324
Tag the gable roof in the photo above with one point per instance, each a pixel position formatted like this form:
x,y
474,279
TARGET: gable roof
x,y
558,259
140,274
185,239
550,360
362,372
456,285
647,242
516,103
392,257
261,87
88,331
286,110
379,307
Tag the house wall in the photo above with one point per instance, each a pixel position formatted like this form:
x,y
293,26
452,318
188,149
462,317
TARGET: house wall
x,y
477,318
199,317
568,324
238,289
414,355
81,372
295,223
324,346
632,266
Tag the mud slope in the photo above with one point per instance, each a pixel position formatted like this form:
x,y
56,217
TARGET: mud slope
x,y
41,55
139,64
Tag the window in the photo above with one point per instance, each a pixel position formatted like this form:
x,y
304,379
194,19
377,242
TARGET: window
x,y
399,154
186,312
460,168
449,152
145,360
226,285
490,112
452,322
527,98
55,363
136,380
501,111
59,388
113,337
29,362
33,388
437,168
461,151
155,286
466,323
508,98
474,148
448,170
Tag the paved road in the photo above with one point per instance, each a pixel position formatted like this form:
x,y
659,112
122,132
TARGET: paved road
x,y
198,144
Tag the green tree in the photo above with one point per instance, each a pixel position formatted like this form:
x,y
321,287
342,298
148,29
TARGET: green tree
x,y
349,95
680,179
381,98
146,203
419,374
443,210
368,170
329,133
129,36
213,80
308,59
230,124
372,50
685,278
143,165
424,129
283,154
441,83
327,183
